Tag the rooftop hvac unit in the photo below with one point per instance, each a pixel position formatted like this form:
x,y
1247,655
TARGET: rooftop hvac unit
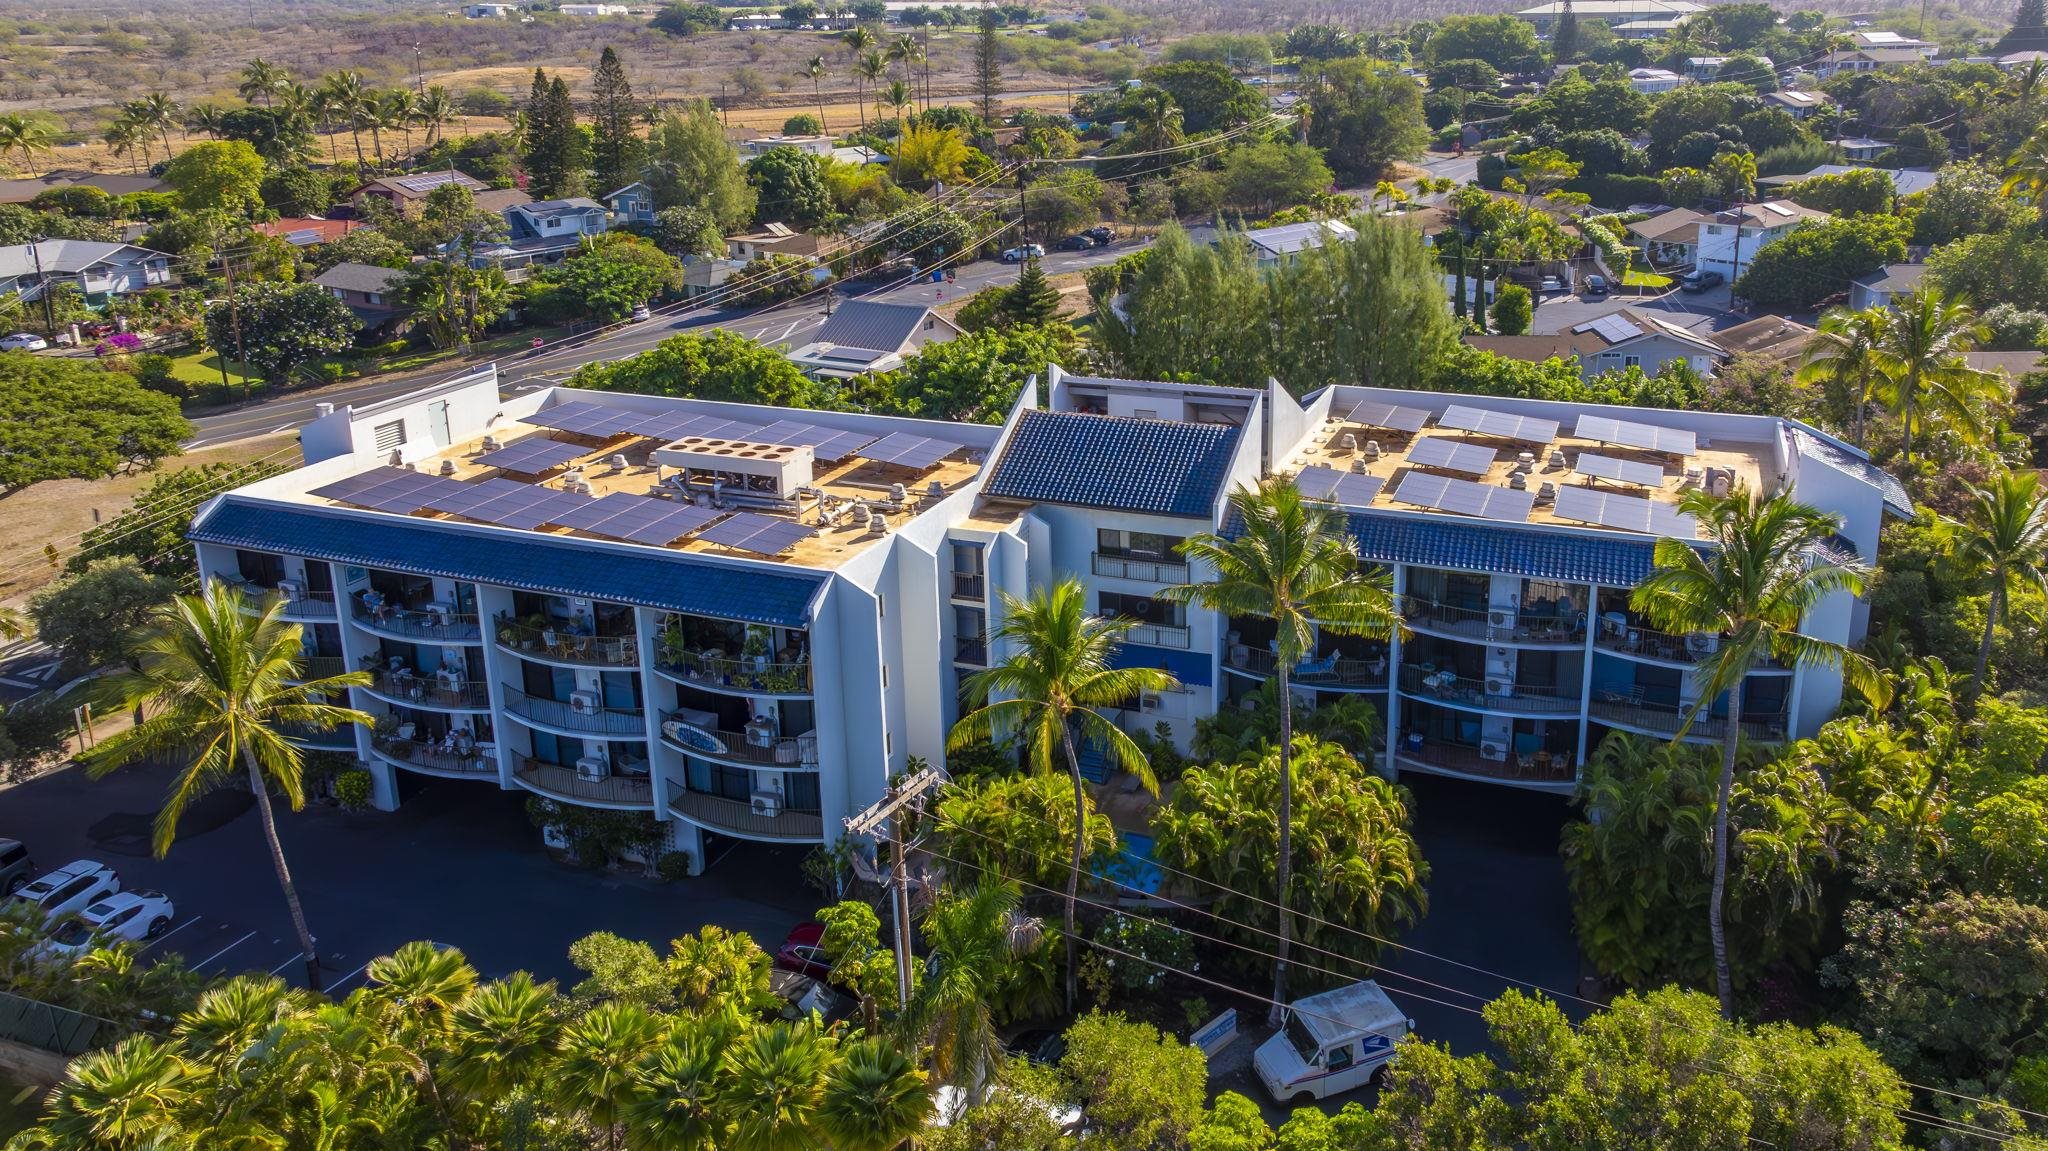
x,y
291,589
492,443
766,804
583,702
593,768
1493,751
1151,701
618,462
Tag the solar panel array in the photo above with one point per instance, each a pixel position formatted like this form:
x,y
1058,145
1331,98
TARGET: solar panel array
x,y
907,450
1455,455
1624,471
533,455
470,496
426,182
1445,494
587,419
763,535
1379,414
1614,328
525,509
1501,425
388,489
825,443
1629,513
1351,489
637,519
1628,434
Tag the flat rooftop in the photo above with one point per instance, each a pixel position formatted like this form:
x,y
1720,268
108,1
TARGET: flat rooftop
x,y
1629,469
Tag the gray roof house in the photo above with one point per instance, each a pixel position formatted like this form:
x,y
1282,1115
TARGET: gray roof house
x,y
99,270
545,231
1623,338
1905,181
1880,288
369,291
864,336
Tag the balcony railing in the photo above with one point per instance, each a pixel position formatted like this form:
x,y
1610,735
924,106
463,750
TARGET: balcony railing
x,y
758,746
740,818
410,624
971,649
1140,568
320,667
1627,707
564,646
564,783
1320,671
431,690
1158,635
1493,625
618,723
300,605
1649,643
1489,695
970,585
427,757
342,738
1539,767
738,673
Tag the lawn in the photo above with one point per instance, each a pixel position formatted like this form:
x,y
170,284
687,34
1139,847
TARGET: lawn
x,y
1637,278
201,369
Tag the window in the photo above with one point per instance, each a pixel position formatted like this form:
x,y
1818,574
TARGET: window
x,y
389,436
376,297
1340,1058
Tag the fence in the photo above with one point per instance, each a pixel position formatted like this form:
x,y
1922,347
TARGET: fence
x,y
47,1027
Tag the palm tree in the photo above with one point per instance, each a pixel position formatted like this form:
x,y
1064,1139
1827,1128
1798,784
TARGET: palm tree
x,y
774,1088
2026,173
159,113
977,941
15,624
2003,537
1770,563
1155,121
1046,689
599,1054
1927,374
1841,357
205,118
345,98
19,133
122,139
858,40
502,1034
875,1099
219,673
675,1104
395,109
907,50
436,110
815,69
899,97
871,68
260,81
1295,564
126,1096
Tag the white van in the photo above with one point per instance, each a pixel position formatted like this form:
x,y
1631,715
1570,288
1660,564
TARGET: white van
x,y
1331,1043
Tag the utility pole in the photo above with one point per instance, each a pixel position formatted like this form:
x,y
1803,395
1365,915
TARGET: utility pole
x,y
227,264
905,792
419,76
35,251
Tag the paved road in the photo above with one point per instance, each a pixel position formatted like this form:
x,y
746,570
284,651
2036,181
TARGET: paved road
x,y
784,324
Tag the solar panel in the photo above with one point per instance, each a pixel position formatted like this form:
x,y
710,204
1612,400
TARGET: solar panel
x,y
764,535
1629,513
666,425
426,182
1379,414
1624,471
553,417
1628,434
462,500
587,419
719,428
533,455
407,494
825,443
1502,425
1455,455
527,508
1614,328
1444,493
341,490
661,526
1351,489
908,451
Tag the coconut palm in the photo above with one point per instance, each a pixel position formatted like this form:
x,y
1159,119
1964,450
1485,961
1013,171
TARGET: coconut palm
x,y
875,1099
397,110
159,113
260,81
978,941
435,111
1841,357
1771,562
1926,371
123,139
859,40
15,624
871,67
1293,563
205,118
23,135
2003,538
599,1054
1046,689
219,673
907,50
2026,173
815,69
346,99
899,97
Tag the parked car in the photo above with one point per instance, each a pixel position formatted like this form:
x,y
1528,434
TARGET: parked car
x,y
72,887
1331,1043
23,342
1022,253
1102,234
1078,242
1550,284
126,915
15,866
891,269
641,312
800,951
1700,280
1594,285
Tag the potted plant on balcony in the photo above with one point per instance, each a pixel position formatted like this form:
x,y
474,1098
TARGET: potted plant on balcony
x,y
756,648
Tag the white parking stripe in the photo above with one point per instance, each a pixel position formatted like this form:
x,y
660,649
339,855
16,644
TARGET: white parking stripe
x,y
329,989
224,950
296,956
171,932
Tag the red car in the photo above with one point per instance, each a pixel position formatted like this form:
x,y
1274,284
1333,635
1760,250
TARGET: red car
x,y
800,952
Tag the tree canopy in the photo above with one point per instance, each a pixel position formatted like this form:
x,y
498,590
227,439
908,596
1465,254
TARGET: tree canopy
x,y
70,419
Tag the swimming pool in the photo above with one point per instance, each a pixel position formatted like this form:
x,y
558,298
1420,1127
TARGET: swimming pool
x,y
1132,867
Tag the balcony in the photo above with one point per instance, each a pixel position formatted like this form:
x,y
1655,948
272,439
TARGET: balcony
x,y
731,815
341,738
1485,695
563,783
560,645
430,691
1538,770
736,675
1622,638
299,605
422,757
1155,634
604,722
970,585
758,746
1494,625
410,624
971,649
312,667
1144,569
1627,708
1326,672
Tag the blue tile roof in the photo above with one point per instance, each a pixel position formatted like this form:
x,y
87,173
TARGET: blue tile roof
x,y
1192,668
1436,541
531,562
1156,466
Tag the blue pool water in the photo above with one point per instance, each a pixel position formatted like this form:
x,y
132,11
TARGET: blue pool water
x,y
1133,867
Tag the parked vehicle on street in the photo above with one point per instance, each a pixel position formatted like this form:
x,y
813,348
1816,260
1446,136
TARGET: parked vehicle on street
x,y
15,866
641,312
1078,242
1550,284
72,887
801,951
132,916
1102,234
1701,279
23,342
1331,1043
1022,253
1594,285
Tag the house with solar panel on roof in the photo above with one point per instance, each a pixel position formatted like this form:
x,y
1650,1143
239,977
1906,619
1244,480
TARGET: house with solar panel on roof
x,y
745,620
406,194
865,336
1622,339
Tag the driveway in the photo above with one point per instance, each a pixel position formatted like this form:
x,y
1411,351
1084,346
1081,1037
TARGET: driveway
x,y
458,863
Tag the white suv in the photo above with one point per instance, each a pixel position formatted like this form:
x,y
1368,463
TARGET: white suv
x,y
124,915
73,887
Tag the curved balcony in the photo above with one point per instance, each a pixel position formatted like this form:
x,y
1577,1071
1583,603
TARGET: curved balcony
x,y
1324,674
1494,625
408,624
1627,710
312,667
341,738
566,719
300,605
1540,771
432,692
758,747
625,792
742,675
428,760
1649,645
561,646
731,817
1489,695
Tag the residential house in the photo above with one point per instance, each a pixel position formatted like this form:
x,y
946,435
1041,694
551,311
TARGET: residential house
x,y
704,274
1653,80
489,11
1771,337
632,204
863,337
1878,289
1669,238
1282,244
1872,51
779,240
1613,12
595,10
821,145
308,231
1860,147
757,22
369,291
1798,103
99,270
1624,338
2016,60
1707,68
1905,181
23,190
2013,365
1729,239
406,194
1649,28
498,201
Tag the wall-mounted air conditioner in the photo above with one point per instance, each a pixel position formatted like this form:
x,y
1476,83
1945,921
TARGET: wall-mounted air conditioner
x,y
1703,643
593,768
291,589
766,804
584,702
1499,687
1493,751
1501,617
1151,701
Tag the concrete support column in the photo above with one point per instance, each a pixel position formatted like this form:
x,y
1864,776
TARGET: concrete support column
x,y
1388,767
1586,687
500,670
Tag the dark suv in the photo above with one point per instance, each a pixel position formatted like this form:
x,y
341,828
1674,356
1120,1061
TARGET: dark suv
x,y
15,866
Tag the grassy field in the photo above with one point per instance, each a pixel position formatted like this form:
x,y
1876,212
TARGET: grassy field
x,y
201,368
1637,278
